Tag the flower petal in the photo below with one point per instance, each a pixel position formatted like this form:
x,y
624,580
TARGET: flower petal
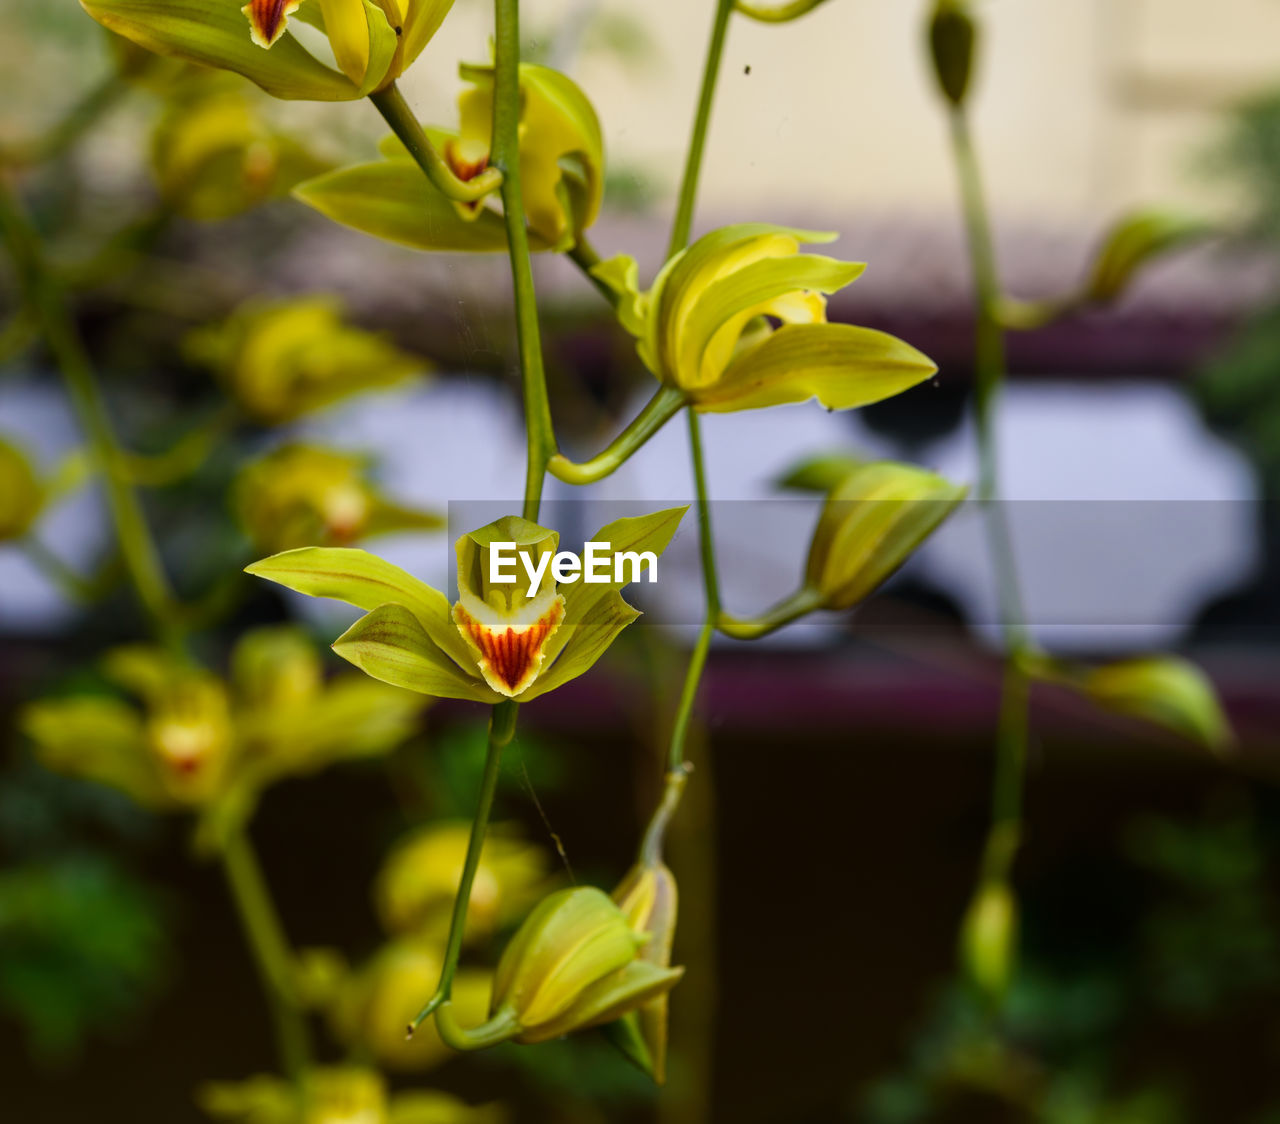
x,y
840,365
392,199
585,641
391,645
214,33
365,581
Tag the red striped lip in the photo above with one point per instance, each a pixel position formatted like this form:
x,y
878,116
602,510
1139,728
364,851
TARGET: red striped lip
x,y
512,655
267,19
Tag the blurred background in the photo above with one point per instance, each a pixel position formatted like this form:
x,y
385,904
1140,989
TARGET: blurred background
x,y
830,838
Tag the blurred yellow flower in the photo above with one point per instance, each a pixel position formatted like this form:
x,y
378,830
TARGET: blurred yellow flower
x,y
305,495
280,360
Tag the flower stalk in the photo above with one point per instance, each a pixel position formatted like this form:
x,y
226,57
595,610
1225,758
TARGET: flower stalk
x,y
989,376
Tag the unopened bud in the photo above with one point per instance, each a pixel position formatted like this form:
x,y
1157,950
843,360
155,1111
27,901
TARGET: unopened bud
x,y
952,39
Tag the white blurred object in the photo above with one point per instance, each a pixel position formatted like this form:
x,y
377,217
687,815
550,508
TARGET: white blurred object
x,y
38,420
1127,515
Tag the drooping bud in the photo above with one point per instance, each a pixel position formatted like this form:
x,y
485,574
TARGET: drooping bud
x,y
508,623
872,522
952,41
989,939
1165,690
649,898
20,493
573,964
1135,242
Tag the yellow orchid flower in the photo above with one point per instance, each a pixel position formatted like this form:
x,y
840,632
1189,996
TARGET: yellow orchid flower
x,y
185,739
501,640
282,359
373,41
304,495
707,325
214,156
561,172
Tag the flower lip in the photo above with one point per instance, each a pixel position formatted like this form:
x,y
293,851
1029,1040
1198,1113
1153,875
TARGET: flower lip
x,y
268,18
510,654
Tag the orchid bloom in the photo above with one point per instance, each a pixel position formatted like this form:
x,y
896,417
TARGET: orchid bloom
x,y
561,173
373,41
506,640
707,325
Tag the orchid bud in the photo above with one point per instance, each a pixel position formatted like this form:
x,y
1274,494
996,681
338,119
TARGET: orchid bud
x,y
20,493
872,522
649,898
1164,690
952,37
573,964
1135,242
989,938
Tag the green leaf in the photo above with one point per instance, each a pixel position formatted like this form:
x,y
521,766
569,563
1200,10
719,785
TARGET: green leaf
x,y
216,33
365,581
391,645
392,199
840,365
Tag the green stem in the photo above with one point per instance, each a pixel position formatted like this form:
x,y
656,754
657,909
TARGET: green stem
x,y
655,833
501,1027
989,377
659,410
804,601
71,583
57,139
584,256
396,112
689,696
46,298
706,537
502,727
683,224
270,950
506,156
